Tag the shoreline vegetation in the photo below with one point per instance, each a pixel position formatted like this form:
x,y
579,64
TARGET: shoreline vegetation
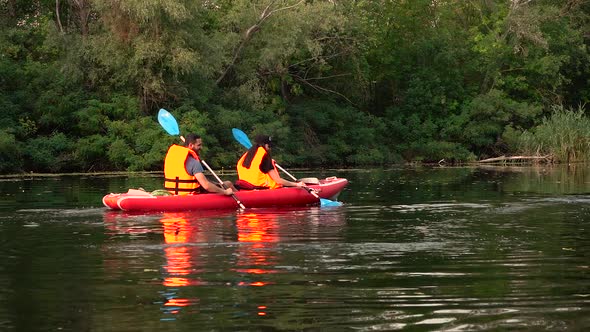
x,y
336,83
499,165
49,175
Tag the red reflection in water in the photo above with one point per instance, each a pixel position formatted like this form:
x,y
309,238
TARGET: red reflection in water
x,y
118,222
255,283
261,311
259,233
177,231
179,259
178,302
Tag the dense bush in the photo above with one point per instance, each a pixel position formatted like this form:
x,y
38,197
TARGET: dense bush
x,y
565,135
487,116
54,153
10,153
341,83
329,134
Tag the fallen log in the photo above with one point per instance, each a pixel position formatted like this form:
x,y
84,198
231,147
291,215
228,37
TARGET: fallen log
x,y
546,158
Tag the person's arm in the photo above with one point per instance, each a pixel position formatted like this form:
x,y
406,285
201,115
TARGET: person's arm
x,y
267,167
195,168
211,187
286,183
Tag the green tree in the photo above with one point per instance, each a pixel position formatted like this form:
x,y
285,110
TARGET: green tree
x,y
149,49
277,51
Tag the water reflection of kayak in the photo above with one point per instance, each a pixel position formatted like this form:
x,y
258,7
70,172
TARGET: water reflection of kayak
x,y
138,200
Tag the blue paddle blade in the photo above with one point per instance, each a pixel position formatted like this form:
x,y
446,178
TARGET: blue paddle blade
x,y
168,122
329,203
241,137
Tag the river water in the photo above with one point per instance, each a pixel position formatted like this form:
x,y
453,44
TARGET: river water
x,y
420,249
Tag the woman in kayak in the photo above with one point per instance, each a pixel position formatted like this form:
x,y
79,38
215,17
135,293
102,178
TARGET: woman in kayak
x,y
256,168
183,172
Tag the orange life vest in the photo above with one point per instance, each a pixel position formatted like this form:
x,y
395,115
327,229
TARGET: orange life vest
x,y
253,175
176,180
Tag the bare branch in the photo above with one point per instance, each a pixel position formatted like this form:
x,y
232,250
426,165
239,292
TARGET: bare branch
x,y
61,29
319,88
83,12
266,13
518,3
285,8
327,77
312,59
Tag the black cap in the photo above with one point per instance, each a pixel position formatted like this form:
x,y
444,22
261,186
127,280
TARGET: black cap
x,y
263,139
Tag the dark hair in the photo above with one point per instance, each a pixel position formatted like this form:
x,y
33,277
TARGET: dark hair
x,y
263,139
191,138
259,141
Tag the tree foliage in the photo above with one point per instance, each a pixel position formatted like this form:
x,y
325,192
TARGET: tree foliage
x,y
338,83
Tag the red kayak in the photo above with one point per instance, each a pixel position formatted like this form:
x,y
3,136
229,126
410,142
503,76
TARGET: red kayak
x,y
139,200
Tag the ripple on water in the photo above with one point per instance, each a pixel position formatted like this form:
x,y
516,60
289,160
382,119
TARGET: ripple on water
x,y
438,207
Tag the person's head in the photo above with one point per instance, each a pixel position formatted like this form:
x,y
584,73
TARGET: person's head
x,y
193,142
263,140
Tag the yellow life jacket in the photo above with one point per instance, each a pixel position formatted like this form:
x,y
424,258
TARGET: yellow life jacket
x,y
253,175
176,180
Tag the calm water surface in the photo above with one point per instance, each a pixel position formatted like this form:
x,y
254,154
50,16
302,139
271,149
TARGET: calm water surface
x,y
420,249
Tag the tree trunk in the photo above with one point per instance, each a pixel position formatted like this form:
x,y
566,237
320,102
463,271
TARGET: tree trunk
x,y
59,25
82,9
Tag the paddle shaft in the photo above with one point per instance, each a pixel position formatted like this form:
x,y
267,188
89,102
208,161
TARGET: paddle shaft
x,y
222,185
309,190
285,171
169,124
243,139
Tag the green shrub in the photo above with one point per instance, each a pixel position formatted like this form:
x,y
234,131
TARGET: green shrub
x,y
53,153
435,151
487,117
565,135
91,152
324,133
10,156
119,153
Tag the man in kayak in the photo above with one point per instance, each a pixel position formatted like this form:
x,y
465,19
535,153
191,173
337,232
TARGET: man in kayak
x,y
256,168
183,171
